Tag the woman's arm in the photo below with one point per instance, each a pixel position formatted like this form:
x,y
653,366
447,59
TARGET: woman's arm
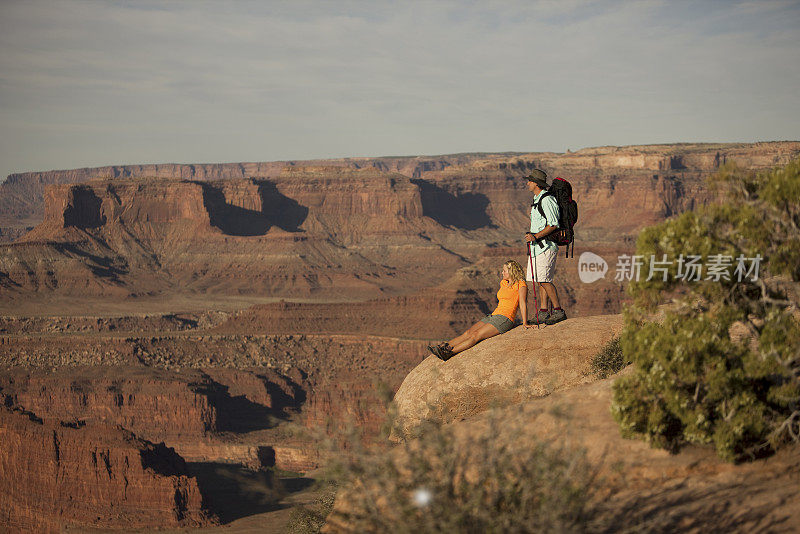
x,y
523,303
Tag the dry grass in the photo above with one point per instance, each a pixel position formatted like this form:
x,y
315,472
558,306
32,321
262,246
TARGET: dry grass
x,y
610,360
477,482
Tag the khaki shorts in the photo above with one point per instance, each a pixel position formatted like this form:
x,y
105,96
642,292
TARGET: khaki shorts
x,y
545,266
501,322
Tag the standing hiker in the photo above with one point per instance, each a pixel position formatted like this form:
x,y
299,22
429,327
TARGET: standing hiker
x,y
511,296
544,221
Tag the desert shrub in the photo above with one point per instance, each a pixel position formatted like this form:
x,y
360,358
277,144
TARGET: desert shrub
x,y
723,365
479,482
309,519
609,360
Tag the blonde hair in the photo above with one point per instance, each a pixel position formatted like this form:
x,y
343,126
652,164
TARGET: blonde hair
x,y
515,273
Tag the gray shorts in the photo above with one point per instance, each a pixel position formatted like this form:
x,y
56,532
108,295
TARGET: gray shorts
x,y
501,322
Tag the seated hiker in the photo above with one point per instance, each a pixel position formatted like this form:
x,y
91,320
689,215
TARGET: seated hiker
x,y
512,295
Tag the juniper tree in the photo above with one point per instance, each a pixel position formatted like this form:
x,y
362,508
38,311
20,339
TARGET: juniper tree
x,y
722,364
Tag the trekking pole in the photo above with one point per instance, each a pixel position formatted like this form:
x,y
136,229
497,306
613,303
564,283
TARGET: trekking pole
x,y
535,295
539,304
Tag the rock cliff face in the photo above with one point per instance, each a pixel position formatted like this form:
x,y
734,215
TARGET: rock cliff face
x,y
143,404
94,476
348,233
157,406
21,195
226,408
340,230
212,397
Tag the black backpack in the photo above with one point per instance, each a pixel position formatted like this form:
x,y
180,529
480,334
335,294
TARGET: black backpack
x,y
567,214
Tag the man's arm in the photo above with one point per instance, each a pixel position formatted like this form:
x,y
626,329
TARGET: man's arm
x,y
546,232
550,209
531,237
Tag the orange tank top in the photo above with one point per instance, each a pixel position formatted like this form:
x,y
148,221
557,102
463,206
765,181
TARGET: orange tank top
x,y
508,299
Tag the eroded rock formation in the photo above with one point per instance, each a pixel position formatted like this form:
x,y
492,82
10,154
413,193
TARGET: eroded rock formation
x,y
90,475
340,230
212,397
21,194
350,234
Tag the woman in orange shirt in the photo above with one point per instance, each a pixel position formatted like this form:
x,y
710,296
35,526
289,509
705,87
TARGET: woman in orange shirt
x,y
512,295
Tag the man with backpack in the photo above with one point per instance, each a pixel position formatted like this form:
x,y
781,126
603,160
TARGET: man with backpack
x,y
544,222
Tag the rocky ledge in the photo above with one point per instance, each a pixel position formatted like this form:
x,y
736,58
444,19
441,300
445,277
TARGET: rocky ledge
x,y
507,369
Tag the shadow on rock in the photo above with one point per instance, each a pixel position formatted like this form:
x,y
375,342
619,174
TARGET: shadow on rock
x,y
231,491
464,211
237,413
276,210
84,209
285,213
681,508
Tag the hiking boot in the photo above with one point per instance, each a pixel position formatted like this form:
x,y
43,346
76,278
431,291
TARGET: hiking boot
x,y
441,351
544,315
556,317
445,350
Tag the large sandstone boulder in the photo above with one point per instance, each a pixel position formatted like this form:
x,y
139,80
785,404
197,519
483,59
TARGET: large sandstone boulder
x,y
506,369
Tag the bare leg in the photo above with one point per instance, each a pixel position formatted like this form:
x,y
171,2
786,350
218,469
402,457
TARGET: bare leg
x,y
466,335
550,290
484,332
544,298
541,297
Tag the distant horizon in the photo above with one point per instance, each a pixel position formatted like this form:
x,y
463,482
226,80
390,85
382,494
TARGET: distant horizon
x,y
87,84
488,152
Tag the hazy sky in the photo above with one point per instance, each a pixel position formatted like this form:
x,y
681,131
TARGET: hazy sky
x,y
89,83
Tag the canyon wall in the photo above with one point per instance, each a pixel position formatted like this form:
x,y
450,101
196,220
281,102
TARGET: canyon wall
x,y
92,475
22,195
193,388
221,411
325,232
350,229
337,231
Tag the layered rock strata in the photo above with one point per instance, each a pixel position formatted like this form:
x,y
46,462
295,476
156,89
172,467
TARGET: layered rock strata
x,y
348,230
228,398
351,235
156,405
21,194
92,475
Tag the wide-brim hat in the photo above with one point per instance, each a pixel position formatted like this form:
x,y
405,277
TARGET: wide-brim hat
x,y
539,177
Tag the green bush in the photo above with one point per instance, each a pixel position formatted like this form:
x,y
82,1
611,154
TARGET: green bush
x,y
478,483
723,365
610,360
